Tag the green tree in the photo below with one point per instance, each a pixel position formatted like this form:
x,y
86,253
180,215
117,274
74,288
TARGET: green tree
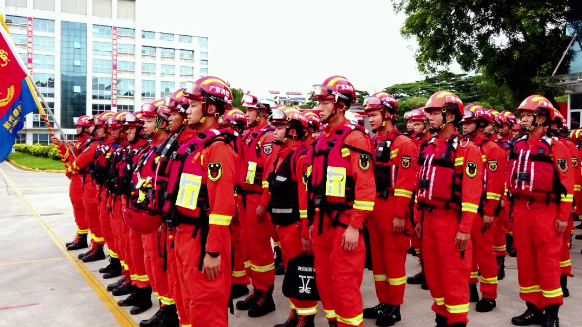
x,y
237,95
361,95
513,43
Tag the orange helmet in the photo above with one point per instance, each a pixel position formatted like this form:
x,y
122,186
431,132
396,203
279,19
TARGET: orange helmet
x,y
212,89
335,88
152,109
133,119
360,119
539,105
84,121
415,114
313,121
444,100
576,134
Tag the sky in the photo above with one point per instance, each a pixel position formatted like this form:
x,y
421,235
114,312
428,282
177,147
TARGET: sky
x,y
282,45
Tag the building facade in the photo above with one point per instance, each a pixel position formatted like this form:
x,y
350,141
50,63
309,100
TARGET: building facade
x,y
88,56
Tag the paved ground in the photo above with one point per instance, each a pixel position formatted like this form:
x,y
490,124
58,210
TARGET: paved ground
x,y
43,285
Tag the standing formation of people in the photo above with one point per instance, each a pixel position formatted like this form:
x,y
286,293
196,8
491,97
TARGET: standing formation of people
x,y
197,200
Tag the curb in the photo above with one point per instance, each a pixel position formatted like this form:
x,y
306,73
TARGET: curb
x,y
19,166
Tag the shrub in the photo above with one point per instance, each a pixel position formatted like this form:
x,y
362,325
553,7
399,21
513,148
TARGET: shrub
x,y
39,150
54,154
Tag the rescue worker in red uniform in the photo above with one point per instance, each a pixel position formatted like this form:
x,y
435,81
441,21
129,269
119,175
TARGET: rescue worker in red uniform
x,y
449,187
540,178
474,122
83,164
420,136
314,124
391,225
202,174
257,229
84,130
341,197
409,124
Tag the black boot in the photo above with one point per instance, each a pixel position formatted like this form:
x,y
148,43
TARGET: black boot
x,y
509,246
551,316
154,320
372,313
485,305
332,323
291,321
82,255
412,251
264,304
564,284
247,303
278,256
418,278
280,270
144,301
306,321
500,267
95,254
387,315
80,242
124,289
512,253
474,294
424,286
115,270
170,317
531,316
238,290
118,283
459,324
441,321
579,236
129,301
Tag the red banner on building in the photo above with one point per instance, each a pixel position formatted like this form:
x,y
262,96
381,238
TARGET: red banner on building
x,y
29,45
114,68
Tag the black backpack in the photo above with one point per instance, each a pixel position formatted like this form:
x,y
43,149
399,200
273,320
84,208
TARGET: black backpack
x,y
299,282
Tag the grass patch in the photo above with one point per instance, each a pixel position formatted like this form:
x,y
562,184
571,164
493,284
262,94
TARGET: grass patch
x,y
29,161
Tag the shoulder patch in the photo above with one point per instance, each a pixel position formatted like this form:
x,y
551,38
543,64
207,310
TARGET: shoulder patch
x,y
471,169
214,171
405,161
574,162
267,148
493,165
562,164
364,162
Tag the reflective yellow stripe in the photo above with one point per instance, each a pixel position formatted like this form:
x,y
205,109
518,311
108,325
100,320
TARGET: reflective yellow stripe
x,y
355,321
483,157
167,300
239,273
143,278
499,248
185,325
457,308
82,231
459,161
439,300
492,280
276,244
393,153
469,207
265,184
493,196
247,264
565,263
577,188
291,305
214,219
364,205
397,281
330,314
133,277
567,198
302,214
97,239
417,250
474,274
268,267
345,152
379,278
306,311
510,233
403,193
553,293
335,182
113,254
530,289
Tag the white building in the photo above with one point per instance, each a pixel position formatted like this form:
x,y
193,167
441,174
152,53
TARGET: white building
x,y
88,56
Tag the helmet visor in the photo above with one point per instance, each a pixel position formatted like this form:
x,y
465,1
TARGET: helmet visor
x,y
192,89
372,103
148,107
169,102
277,115
320,90
131,119
249,101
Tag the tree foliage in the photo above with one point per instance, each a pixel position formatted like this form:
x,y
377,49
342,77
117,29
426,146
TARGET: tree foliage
x,y
513,43
237,95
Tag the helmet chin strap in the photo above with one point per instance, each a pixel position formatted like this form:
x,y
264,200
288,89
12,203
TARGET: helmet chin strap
x,y
444,124
280,142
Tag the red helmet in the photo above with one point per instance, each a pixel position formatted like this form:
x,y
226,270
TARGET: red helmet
x,y
234,117
84,121
538,104
177,101
313,121
360,119
141,222
152,109
415,114
132,119
384,102
211,89
293,119
101,119
335,88
517,125
445,100
116,120
576,134
558,118
478,114
251,101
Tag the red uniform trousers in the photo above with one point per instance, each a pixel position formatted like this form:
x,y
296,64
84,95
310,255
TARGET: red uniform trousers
x,y
275,237
565,264
116,222
92,210
417,244
388,252
124,239
244,237
239,274
339,274
76,195
139,275
290,238
447,274
484,260
500,229
182,300
260,248
538,247
208,298
153,248
105,220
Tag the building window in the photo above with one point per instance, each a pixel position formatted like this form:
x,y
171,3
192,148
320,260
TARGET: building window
x,y
126,48
102,88
23,57
167,89
168,53
44,62
203,62
203,72
148,35
102,66
148,51
185,38
19,39
73,77
45,84
38,121
125,31
203,55
125,87
98,108
148,89
43,25
20,138
16,20
124,107
203,42
126,65
166,37
101,48
186,70
41,138
168,69
148,68
182,85
102,31
44,43
187,54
